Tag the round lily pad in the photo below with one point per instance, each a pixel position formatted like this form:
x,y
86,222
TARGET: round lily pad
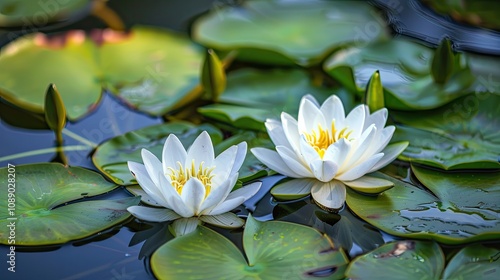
x,y
288,31
399,260
405,72
273,250
111,157
151,69
38,209
454,209
461,135
411,259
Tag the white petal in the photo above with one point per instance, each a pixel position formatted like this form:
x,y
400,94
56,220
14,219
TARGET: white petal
x,y
391,152
153,214
174,199
324,170
291,130
240,157
369,184
218,194
338,152
291,160
355,122
310,98
173,152
309,117
381,140
193,194
333,109
273,160
358,153
226,206
246,191
152,164
378,118
307,152
293,189
143,179
330,194
276,133
226,220
223,165
201,150
184,226
360,169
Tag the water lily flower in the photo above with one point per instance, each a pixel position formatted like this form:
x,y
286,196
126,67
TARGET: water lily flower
x,y
333,149
192,186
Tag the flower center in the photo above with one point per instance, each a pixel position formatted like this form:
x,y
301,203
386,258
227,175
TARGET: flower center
x,y
320,139
179,177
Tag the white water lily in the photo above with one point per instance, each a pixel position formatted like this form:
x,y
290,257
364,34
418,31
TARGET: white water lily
x,y
192,185
333,149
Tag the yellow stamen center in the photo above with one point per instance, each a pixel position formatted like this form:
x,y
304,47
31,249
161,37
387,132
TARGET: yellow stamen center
x,y
320,139
180,176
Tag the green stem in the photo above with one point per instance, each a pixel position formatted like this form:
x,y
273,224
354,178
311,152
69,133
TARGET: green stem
x,y
78,138
45,151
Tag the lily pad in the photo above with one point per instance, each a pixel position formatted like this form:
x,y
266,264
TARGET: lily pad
x,y
252,96
38,13
274,250
289,31
454,209
463,134
425,260
111,156
405,71
39,211
151,69
399,260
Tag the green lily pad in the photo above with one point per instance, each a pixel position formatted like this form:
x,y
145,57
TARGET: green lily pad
x,y
111,156
274,250
457,207
72,69
474,262
151,69
425,260
405,72
484,67
38,13
39,211
399,260
252,96
283,32
463,134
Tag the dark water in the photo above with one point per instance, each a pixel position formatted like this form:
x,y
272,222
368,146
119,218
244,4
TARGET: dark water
x,y
109,255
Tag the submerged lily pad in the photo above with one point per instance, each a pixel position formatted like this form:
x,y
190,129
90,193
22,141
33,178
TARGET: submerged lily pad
x,y
151,69
36,13
457,207
425,260
463,134
39,211
273,250
111,156
399,260
405,72
252,96
288,31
